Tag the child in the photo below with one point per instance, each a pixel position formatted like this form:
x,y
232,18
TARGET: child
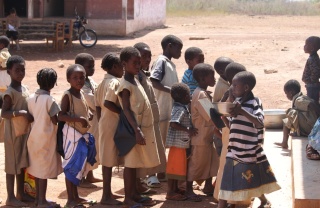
x,y
231,70
87,61
108,109
302,116
193,56
152,181
204,161
78,145
247,172
222,85
311,73
13,23
163,76
4,55
45,162
137,110
178,140
16,154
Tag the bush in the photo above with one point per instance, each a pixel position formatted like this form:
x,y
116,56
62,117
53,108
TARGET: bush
x,y
250,7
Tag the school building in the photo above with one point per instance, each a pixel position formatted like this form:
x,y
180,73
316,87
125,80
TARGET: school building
x,y
106,17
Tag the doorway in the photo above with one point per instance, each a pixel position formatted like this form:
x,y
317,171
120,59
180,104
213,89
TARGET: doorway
x,y
19,5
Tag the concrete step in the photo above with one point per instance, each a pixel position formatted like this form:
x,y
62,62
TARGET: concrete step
x,y
306,176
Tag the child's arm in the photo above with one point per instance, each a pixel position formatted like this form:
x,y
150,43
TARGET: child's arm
x,y
8,114
159,86
54,119
112,106
125,95
234,112
63,115
190,130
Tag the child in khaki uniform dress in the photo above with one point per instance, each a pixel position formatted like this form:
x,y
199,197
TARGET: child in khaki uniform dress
x,y
108,109
16,154
137,109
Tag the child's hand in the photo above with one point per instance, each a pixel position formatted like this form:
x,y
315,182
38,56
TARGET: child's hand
x,y
235,111
140,139
192,131
83,122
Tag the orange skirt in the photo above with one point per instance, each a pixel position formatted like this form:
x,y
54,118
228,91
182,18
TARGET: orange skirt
x,y
177,164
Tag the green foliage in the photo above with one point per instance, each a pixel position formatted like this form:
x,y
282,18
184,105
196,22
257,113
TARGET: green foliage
x,y
251,7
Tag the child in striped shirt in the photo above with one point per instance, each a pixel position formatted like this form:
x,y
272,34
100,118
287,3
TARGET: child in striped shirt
x,y
247,172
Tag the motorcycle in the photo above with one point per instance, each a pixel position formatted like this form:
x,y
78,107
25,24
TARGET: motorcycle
x,y
87,37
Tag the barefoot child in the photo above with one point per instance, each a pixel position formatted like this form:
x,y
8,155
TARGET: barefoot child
x,y
108,109
45,162
137,109
152,181
204,161
192,56
311,73
87,61
16,153
247,172
163,76
78,145
178,140
302,116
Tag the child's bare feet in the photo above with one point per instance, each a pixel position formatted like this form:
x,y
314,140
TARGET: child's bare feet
x,y
282,145
14,202
110,201
93,179
25,197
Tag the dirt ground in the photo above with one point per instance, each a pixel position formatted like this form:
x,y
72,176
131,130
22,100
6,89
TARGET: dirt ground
x,y
258,42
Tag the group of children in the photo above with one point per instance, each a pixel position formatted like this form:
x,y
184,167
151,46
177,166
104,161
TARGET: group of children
x,y
161,113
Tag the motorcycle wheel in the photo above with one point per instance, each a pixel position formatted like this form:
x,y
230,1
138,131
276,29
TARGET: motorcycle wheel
x,y
88,38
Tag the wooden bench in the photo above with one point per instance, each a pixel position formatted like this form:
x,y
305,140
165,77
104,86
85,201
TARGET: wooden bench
x,y
305,176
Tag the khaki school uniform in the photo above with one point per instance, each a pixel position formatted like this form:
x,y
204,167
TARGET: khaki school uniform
x,y
45,162
16,153
221,87
147,86
204,160
141,156
108,122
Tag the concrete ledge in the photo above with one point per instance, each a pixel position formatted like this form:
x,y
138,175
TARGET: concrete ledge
x,y
305,176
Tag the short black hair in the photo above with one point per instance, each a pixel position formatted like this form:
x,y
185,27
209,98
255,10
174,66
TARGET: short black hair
x,y
170,39
127,52
191,53
221,63
141,46
292,85
15,59
71,68
246,77
179,91
315,42
109,60
232,69
47,78
4,40
82,58
13,10
202,70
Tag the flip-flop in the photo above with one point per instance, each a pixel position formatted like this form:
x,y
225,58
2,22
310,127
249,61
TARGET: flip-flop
x,y
311,153
89,202
147,201
152,182
194,198
176,197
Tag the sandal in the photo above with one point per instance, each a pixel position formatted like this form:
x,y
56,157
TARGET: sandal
x,y
194,198
176,197
146,201
152,182
312,154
